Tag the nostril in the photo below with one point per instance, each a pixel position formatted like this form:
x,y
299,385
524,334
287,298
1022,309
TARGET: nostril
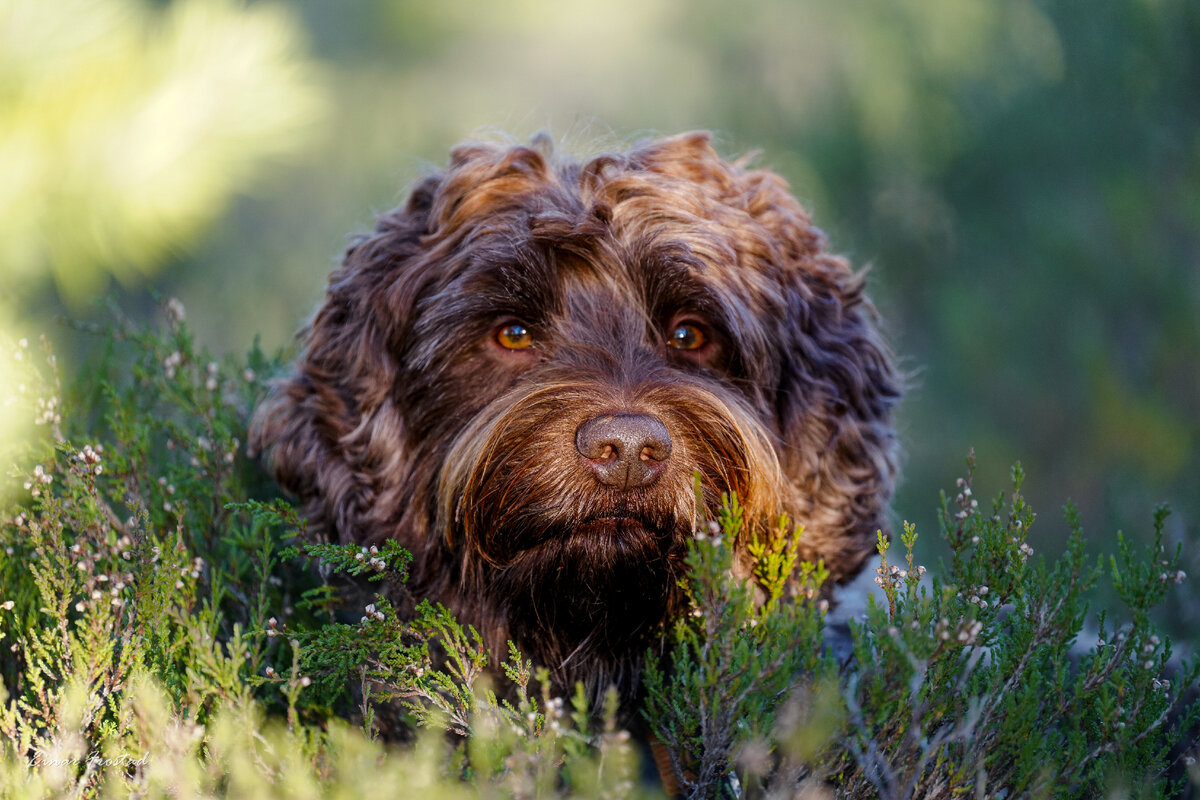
x,y
624,450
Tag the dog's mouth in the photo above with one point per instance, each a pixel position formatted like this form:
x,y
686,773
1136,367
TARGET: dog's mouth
x,y
623,533
619,521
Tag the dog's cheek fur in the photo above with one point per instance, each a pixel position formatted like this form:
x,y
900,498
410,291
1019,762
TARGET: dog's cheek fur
x,y
331,429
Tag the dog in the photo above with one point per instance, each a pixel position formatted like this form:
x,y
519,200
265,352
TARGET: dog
x,y
518,373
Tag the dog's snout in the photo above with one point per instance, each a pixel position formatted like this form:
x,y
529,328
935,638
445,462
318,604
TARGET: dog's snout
x,y
625,451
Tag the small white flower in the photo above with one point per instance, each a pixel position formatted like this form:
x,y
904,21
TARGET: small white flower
x,y
7,605
176,313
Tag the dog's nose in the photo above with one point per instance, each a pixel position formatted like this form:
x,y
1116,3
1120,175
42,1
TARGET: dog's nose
x,y
625,451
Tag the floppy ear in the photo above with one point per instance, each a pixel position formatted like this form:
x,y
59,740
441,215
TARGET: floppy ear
x,y
838,385
330,431
837,380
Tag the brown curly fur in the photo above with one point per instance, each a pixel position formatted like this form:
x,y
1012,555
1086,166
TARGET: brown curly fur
x,y
405,420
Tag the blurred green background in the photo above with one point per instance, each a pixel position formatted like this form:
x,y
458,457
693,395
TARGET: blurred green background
x,y
1023,179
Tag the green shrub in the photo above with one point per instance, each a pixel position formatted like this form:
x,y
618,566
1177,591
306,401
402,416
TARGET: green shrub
x,y
165,633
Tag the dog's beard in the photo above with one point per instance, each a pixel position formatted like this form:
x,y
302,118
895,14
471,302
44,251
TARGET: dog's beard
x,y
595,594
584,575
580,572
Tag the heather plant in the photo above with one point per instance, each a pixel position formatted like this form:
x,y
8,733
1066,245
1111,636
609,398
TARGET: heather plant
x,y
974,679
170,627
152,574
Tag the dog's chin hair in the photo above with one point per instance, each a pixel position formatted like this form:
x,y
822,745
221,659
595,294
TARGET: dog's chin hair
x,y
589,600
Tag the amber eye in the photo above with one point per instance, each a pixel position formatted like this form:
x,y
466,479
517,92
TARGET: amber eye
x,y
687,337
514,337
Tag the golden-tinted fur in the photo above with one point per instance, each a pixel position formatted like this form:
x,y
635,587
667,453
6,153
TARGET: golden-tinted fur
x,y
404,419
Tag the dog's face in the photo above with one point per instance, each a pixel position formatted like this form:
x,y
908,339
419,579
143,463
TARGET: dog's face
x,y
519,373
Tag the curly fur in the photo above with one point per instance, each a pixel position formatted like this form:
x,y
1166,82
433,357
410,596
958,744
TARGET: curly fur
x,y
403,419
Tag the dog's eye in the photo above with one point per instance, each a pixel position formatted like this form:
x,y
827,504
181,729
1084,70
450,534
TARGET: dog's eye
x,y
514,336
687,336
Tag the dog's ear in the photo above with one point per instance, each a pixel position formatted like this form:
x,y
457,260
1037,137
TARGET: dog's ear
x,y
837,379
838,385
322,428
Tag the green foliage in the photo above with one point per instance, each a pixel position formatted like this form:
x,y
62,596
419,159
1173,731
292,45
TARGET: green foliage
x,y
165,629
974,681
737,653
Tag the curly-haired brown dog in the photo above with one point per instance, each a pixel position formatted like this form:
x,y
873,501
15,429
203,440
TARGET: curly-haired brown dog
x,y
518,373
